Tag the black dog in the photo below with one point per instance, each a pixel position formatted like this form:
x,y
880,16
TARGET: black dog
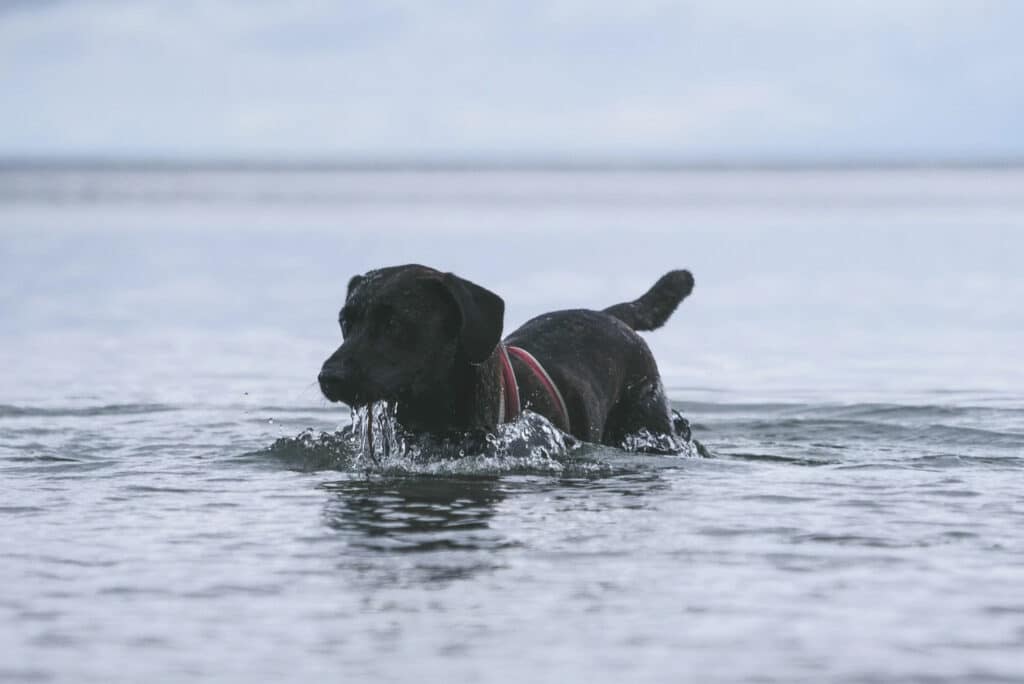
x,y
431,342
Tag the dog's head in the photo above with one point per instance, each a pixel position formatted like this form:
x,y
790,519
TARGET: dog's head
x,y
405,328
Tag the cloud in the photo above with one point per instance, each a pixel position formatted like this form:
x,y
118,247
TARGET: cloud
x,y
530,79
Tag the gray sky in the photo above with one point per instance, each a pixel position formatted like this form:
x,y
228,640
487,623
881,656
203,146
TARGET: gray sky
x,y
579,79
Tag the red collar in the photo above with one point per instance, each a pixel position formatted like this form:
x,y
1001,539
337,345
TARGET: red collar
x,y
509,406
508,403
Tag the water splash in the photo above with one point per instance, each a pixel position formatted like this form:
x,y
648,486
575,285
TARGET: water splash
x,y
650,443
378,433
530,443
375,443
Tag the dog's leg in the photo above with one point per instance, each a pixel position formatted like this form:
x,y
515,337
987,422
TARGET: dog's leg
x,y
643,407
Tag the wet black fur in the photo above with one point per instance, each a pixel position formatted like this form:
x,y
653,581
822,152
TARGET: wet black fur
x,y
428,340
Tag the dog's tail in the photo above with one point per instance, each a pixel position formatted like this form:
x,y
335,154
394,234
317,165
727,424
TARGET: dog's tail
x,y
657,304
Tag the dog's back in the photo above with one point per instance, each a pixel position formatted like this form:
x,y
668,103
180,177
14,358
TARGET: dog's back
x,y
605,370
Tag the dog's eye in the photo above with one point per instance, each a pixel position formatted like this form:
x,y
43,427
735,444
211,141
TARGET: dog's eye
x,y
392,323
401,331
383,319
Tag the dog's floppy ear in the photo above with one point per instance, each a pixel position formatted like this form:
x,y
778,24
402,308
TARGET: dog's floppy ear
x,y
482,313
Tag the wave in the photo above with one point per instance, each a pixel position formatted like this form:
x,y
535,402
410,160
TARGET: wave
x,y
11,411
848,410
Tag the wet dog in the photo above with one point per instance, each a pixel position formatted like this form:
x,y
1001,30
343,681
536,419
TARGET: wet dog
x,y
431,342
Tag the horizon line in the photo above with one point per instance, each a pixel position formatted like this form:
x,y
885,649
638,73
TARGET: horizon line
x,y
491,164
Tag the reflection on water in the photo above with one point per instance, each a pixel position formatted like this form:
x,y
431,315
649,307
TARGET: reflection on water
x,y
416,514
448,529
447,520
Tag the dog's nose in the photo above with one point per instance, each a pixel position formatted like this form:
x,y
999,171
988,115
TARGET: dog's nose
x,y
335,381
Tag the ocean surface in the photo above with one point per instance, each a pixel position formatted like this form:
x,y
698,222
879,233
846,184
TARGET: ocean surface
x,y
175,505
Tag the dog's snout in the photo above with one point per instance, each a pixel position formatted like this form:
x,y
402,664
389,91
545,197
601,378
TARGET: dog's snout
x,y
336,380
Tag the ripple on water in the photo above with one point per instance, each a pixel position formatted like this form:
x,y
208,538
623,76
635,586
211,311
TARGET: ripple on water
x,y
11,411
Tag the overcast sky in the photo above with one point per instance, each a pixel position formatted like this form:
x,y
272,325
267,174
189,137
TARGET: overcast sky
x,y
562,79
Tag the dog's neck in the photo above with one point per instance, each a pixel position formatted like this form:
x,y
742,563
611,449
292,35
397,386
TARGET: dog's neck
x,y
468,400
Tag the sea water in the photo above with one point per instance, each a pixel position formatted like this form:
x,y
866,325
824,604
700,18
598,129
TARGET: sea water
x,y
176,503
